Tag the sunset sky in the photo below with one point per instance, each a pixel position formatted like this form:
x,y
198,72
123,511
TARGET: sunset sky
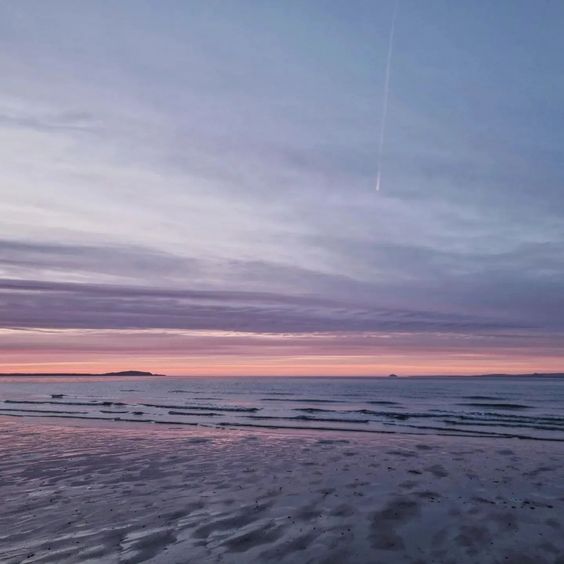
x,y
188,187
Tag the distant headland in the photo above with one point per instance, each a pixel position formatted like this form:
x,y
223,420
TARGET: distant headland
x,y
122,373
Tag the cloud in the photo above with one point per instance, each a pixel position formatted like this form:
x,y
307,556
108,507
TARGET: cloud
x,y
420,288
63,121
68,261
65,305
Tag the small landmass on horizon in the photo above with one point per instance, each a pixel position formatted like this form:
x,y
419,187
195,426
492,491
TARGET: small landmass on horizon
x,y
121,373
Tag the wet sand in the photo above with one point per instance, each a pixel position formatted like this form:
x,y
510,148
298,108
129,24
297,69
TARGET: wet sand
x,y
87,493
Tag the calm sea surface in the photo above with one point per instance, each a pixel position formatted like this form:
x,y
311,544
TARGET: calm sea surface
x,y
489,407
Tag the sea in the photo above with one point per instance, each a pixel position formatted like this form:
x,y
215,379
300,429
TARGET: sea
x,y
491,407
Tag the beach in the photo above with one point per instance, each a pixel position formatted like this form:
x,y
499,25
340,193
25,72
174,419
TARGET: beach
x,y
112,492
282,282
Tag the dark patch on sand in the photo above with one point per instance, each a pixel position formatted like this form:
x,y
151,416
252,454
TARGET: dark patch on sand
x,y
438,471
384,525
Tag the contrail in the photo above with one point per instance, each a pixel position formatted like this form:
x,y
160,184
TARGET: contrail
x,y
386,94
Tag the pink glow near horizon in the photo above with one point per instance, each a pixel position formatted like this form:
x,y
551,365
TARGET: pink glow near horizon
x,y
256,355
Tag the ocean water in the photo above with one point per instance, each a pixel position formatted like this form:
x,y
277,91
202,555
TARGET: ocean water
x,y
519,407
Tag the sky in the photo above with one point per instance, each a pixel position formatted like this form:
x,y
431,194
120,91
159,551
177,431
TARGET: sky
x,y
189,187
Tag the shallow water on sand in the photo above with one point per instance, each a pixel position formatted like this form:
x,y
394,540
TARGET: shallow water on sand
x,y
482,407
117,494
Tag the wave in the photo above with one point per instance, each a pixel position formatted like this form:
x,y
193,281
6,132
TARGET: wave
x,y
386,414
192,392
24,410
47,402
316,410
302,428
441,431
497,405
109,419
302,400
501,420
382,402
515,425
494,398
309,418
493,416
476,433
393,414
202,407
200,414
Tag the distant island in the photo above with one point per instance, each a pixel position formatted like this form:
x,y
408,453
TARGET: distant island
x,y
122,373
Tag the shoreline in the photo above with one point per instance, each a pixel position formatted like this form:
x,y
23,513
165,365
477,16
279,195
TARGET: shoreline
x,y
318,430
